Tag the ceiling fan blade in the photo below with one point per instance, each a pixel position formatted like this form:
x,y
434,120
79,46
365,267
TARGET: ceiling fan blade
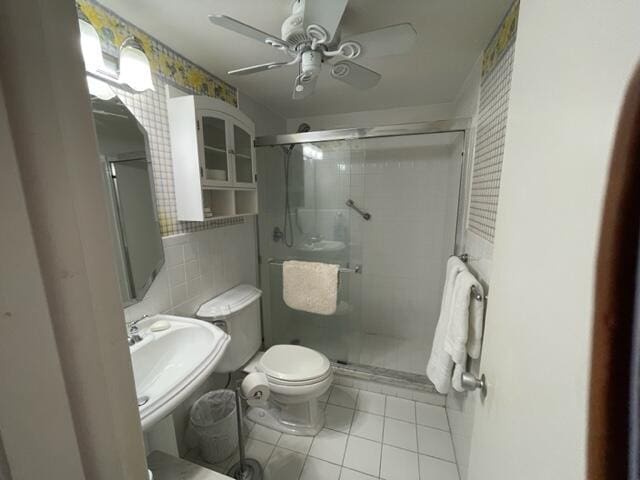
x,y
304,87
326,13
390,40
355,75
248,31
258,68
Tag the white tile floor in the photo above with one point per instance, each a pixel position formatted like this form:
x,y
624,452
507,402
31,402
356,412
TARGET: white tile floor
x,y
367,436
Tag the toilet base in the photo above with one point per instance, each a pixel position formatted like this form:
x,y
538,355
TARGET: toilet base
x,y
271,417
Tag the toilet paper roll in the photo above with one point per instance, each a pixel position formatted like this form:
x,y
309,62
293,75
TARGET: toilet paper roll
x,y
255,388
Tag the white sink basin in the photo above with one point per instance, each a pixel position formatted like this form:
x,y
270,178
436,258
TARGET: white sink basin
x,y
169,365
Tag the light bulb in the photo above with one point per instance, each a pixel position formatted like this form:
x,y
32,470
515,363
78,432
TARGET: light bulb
x,y
91,49
135,70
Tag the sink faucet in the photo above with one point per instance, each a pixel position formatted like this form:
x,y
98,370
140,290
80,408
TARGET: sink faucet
x,y
133,336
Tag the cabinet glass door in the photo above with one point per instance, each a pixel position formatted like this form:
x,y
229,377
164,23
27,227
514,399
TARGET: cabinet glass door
x,y
214,140
243,156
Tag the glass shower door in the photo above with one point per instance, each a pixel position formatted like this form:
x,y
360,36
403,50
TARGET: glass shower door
x,y
320,229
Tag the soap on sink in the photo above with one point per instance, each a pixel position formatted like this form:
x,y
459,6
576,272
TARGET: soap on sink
x,y
159,326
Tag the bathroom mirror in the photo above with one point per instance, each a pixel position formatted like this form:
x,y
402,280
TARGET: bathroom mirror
x,y
128,179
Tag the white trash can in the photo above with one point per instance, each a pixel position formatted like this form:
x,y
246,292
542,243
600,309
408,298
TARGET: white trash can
x,y
213,422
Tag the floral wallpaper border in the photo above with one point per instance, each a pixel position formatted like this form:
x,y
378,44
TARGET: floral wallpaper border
x,y
501,41
172,67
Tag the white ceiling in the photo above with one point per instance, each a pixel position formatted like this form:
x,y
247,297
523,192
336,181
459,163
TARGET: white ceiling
x,y
451,36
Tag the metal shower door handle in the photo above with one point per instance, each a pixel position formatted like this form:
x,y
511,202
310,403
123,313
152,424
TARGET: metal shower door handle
x,y
470,382
351,204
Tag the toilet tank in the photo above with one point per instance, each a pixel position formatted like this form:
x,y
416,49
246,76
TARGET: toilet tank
x,y
237,311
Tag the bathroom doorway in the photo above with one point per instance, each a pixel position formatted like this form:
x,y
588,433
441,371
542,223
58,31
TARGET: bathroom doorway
x,y
386,207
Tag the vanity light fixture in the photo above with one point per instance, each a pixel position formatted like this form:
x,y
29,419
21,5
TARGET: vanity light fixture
x,y
135,70
93,60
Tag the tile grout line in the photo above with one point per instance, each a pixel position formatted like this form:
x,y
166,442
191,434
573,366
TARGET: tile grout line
x,y
384,421
455,454
417,440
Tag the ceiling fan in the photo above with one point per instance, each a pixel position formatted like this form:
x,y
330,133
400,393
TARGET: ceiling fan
x,y
311,36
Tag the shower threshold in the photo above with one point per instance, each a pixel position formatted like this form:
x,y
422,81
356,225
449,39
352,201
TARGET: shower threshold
x,y
382,375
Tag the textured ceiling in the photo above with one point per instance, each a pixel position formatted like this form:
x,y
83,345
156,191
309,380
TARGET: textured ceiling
x,y
451,36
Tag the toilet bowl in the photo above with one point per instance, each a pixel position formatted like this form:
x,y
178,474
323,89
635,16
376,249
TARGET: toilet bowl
x,y
297,376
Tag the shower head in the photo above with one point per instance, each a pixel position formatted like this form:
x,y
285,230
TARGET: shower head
x,y
304,128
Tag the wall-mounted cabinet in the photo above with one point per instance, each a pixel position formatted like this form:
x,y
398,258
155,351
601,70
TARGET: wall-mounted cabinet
x,y
214,164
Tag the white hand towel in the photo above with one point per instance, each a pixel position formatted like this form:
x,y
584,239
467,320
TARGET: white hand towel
x,y
440,363
310,286
464,333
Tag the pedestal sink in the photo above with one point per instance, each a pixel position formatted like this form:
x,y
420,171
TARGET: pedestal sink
x,y
169,365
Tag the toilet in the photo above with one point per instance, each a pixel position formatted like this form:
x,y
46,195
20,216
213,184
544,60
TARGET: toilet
x,y
297,376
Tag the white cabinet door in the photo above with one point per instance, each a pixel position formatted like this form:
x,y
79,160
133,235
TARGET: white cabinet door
x,y
215,150
243,158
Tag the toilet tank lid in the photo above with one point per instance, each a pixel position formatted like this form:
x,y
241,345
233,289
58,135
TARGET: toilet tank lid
x,y
230,302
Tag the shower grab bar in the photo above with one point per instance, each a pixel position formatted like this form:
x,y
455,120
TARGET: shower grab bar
x,y
351,204
355,269
474,291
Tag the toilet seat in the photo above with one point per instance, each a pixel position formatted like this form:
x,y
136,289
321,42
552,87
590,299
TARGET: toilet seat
x,y
294,365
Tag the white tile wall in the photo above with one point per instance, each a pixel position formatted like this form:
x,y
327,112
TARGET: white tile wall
x,y
489,149
199,266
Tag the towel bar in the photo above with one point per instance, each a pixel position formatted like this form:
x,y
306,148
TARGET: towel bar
x,y
474,291
355,269
475,294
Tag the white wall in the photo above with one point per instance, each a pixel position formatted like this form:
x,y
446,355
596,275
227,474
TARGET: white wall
x,y
572,63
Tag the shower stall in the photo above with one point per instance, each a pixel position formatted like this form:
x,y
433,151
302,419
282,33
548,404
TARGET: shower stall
x,y
385,204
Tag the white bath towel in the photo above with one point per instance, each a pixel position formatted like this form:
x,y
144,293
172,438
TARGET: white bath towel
x,y
310,286
440,363
464,333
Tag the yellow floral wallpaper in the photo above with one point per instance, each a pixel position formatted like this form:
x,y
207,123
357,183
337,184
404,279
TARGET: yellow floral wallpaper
x,y
168,64
501,40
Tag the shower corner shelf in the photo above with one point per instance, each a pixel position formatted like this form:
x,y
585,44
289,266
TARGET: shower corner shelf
x,y
213,157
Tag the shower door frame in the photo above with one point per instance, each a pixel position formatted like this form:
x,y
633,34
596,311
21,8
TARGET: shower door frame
x,y
458,125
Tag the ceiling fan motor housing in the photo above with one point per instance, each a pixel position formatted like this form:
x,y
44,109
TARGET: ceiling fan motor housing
x,y
293,26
